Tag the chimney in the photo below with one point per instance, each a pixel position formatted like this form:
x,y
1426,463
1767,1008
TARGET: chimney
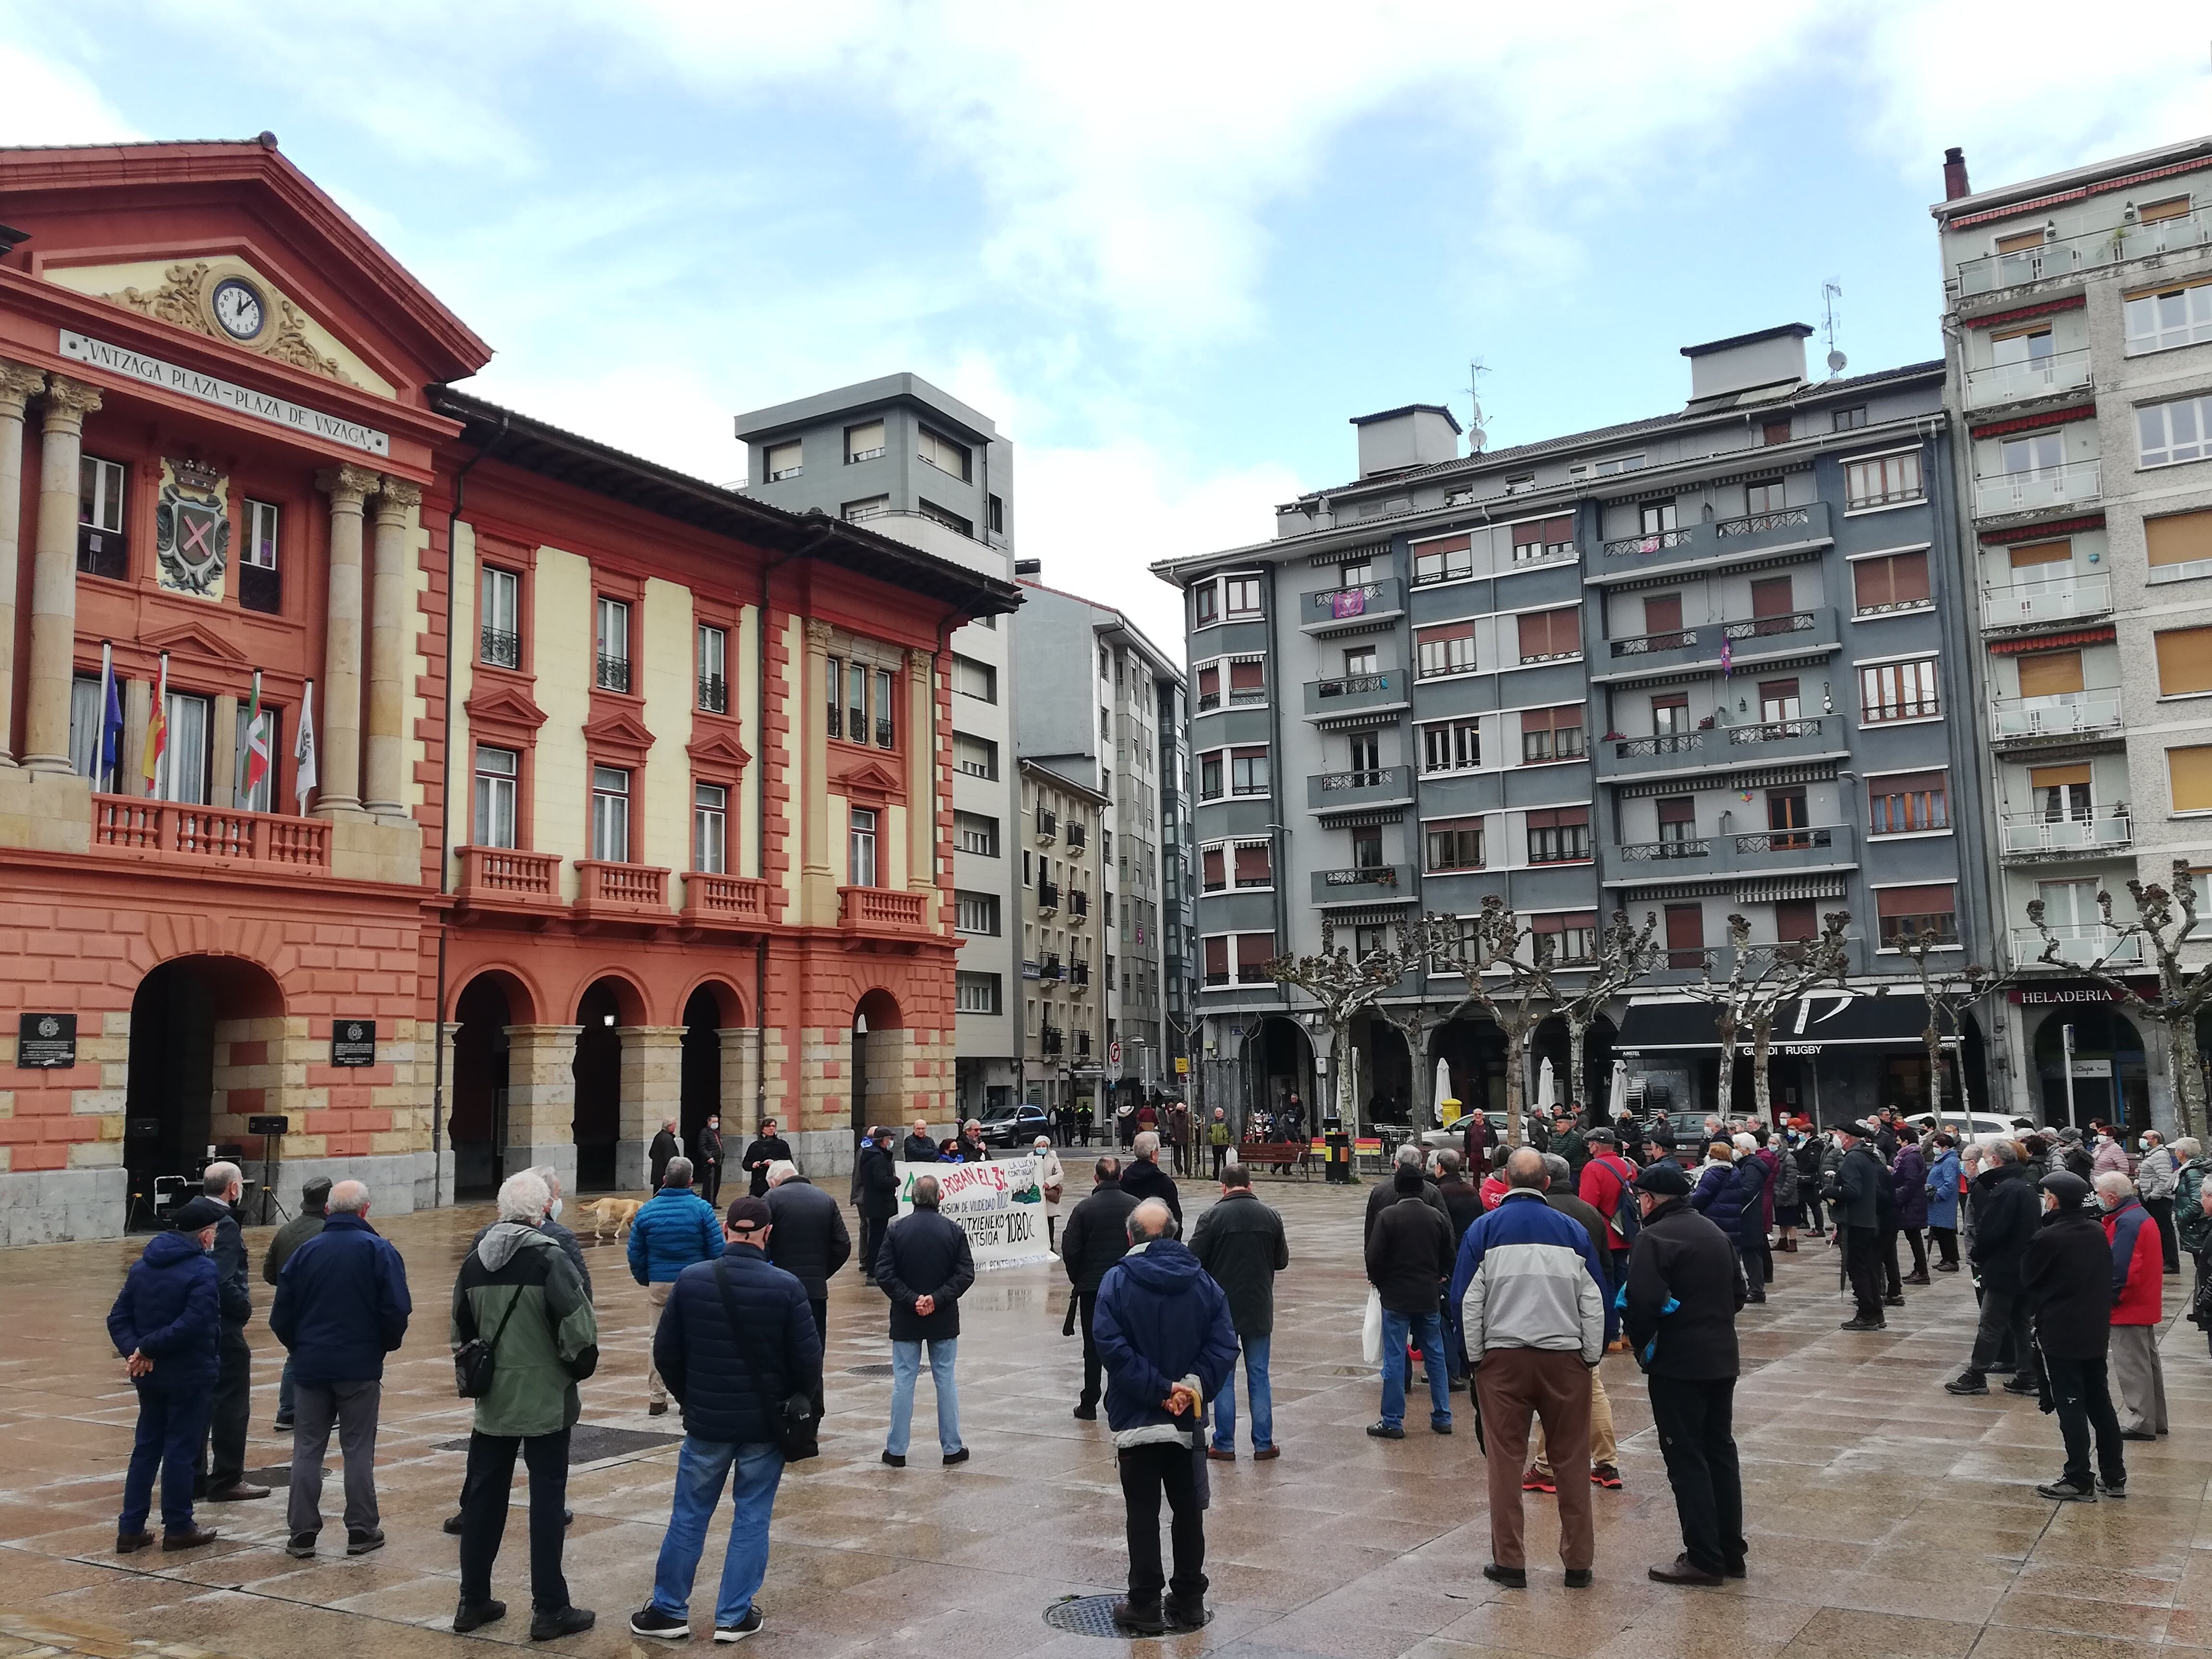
x,y
1954,174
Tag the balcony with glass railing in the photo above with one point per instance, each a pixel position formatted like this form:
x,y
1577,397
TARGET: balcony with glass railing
x,y
2094,713
2081,248
2080,945
2070,597
2031,378
2037,835
2036,489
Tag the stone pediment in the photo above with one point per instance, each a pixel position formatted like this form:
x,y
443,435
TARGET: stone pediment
x,y
871,781
505,706
619,734
193,639
718,751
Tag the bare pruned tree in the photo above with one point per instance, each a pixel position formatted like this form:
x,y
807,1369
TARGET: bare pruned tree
x,y
1509,967
1625,954
1760,979
1949,990
1429,942
1343,985
2164,918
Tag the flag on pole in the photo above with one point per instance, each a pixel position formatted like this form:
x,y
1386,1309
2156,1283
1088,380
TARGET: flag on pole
x,y
157,731
255,764
111,720
1727,659
303,749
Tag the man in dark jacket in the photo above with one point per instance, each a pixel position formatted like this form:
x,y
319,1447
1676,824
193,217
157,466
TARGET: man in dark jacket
x,y
920,1147
673,1230
924,1267
1860,1194
811,1241
2067,1277
1240,1242
1381,1196
736,1338
969,1146
875,1183
1142,1177
765,1148
1476,1139
313,1195
1094,1239
167,1324
342,1304
664,1146
1409,1261
231,1406
1169,1343
1462,1198
2005,1208
1683,1294
707,1159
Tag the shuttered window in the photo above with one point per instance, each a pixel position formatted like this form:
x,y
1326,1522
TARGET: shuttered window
x,y
1558,834
1216,961
1891,583
1247,674
1456,844
1442,560
1551,734
1685,935
1907,912
2190,772
2184,660
1546,634
2036,554
2180,538
1254,867
2049,674
1253,952
1907,802
1209,687
1213,871
1663,613
1448,649
1542,538
1772,596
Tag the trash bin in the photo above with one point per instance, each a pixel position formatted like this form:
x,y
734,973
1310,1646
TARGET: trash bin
x,y
1338,1143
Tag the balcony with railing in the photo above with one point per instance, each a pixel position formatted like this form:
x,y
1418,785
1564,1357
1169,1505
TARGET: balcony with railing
x,y
1048,825
1051,1039
2087,249
713,901
501,877
2070,715
2021,382
1731,852
208,834
2037,488
1048,897
1365,884
613,673
1078,973
882,911
1346,791
1763,740
1075,837
2066,599
714,694
1791,631
621,891
499,647
1050,968
1357,694
1662,752
1359,609
2028,836
2080,945
1079,902
1083,1045
1754,533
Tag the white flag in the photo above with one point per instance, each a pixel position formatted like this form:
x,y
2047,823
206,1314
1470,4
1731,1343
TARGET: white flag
x,y
303,749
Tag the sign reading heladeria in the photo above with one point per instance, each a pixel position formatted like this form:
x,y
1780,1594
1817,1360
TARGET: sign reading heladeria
x,y
170,377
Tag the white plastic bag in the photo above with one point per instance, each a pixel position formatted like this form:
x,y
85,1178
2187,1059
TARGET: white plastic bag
x,y
1370,1328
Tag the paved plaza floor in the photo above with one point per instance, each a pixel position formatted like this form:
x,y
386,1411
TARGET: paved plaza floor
x,y
1885,1516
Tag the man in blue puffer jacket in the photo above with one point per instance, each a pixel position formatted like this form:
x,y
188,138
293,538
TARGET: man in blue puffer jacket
x,y
1166,1339
675,1229
166,1323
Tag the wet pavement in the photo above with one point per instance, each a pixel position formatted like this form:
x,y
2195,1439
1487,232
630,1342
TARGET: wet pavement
x,y
1885,1516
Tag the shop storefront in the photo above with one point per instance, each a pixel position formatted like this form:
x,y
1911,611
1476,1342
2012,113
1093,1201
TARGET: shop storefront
x,y
2086,1057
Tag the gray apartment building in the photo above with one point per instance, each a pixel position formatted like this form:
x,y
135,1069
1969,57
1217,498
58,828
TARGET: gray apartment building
x,y
2078,334
1102,705
1712,661
916,463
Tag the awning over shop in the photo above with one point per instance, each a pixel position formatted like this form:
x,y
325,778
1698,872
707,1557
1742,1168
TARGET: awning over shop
x,y
1804,1027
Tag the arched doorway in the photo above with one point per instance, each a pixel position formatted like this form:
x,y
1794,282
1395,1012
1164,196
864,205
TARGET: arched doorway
x,y
1474,1053
876,1044
708,1012
1386,1086
194,1021
2110,1079
1278,1060
597,1133
477,1124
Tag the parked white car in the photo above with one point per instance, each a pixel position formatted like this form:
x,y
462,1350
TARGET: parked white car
x,y
1981,1123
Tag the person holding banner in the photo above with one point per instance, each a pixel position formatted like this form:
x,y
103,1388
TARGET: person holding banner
x,y
924,1267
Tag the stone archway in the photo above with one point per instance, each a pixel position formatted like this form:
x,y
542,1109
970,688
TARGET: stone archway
x,y
207,1051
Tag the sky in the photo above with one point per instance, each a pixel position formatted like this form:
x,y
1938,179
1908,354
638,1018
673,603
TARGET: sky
x,y
1171,249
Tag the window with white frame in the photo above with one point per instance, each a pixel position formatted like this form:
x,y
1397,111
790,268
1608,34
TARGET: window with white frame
x,y
868,507
613,629
259,585
87,732
975,992
714,651
945,454
1572,935
976,833
1451,746
861,839
784,460
498,635
259,797
184,771
1454,844
1240,596
1248,771
1882,480
2168,433
1447,558
2170,317
1898,692
710,826
1446,648
611,815
498,773
101,549
864,443
975,914
977,756
970,679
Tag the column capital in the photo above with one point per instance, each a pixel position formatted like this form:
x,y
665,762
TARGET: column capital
x,y
817,634
348,485
919,660
69,401
398,496
18,385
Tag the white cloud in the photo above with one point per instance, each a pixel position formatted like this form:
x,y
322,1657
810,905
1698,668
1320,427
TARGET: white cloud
x,y
47,102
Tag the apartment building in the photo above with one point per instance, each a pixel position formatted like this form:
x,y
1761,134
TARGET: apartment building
x,y
913,463
1100,702
2078,325
1704,663
1063,986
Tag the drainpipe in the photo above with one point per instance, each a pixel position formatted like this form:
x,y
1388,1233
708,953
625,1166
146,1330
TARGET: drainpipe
x,y
445,825
1278,820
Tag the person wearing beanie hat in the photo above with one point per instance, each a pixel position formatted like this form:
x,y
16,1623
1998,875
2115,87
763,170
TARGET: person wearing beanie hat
x,y
166,1327
2067,1276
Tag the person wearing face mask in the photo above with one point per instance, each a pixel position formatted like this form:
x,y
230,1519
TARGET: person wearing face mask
x,y
2158,1174
2110,1155
2196,1234
2138,1308
2067,1277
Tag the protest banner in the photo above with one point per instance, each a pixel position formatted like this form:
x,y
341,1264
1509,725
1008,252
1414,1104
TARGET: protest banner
x,y
1000,1204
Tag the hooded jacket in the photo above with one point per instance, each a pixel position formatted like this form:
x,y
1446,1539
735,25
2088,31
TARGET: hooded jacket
x,y
1097,1236
709,1365
2005,1211
810,1241
548,1344
1718,1196
1528,1278
341,1304
1240,1242
168,1310
1161,1320
2067,1275
2138,1264
1908,1180
673,1230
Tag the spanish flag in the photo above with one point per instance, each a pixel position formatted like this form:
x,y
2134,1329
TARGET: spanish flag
x,y
157,729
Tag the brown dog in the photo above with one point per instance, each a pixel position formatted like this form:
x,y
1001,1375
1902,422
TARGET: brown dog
x,y
619,1210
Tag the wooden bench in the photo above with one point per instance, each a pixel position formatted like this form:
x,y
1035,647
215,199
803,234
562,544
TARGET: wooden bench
x,y
1281,1155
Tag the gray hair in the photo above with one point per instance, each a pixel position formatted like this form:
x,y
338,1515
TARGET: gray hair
x,y
781,1170
925,1192
1448,1161
677,1174
347,1198
525,1198
1152,1220
2188,1147
1557,1169
1744,1143
1409,1155
218,1179
2005,1152
549,1175
1147,1145
2115,1183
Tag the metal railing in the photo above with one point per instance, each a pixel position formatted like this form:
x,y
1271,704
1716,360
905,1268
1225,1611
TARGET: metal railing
x,y
1646,852
1047,895
714,694
1361,875
613,673
499,647
2036,377
1760,628
1048,825
2021,603
1643,645
2066,256
1775,731
2033,832
1765,524
1664,743
2069,715
2038,487
1804,839
1658,542
2080,943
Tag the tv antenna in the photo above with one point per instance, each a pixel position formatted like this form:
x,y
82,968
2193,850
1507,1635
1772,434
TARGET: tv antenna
x,y
1476,437
1830,291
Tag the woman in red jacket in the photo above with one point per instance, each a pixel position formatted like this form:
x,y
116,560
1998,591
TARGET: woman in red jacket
x,y
2138,1307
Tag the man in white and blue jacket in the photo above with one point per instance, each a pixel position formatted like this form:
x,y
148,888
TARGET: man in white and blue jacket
x,y
1530,1293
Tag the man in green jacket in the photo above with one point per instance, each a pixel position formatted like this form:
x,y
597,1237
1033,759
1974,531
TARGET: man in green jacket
x,y
520,1293
314,1196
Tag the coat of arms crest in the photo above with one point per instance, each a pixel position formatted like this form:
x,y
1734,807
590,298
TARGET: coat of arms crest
x,y
192,528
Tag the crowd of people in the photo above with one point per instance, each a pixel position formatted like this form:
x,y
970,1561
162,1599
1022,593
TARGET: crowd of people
x,y
1507,1272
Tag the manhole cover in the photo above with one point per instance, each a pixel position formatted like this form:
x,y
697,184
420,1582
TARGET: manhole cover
x,y
1093,1615
868,1370
279,1474
591,1443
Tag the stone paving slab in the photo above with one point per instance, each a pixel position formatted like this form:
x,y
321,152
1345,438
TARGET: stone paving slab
x,y
1886,1517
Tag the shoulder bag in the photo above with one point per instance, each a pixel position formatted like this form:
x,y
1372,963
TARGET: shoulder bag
x,y
473,1361
791,1419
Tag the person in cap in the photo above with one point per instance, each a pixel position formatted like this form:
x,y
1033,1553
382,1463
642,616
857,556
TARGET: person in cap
x,y
1855,1192
314,1195
2138,1307
2004,1207
1678,1312
2067,1275
811,1242
875,1195
1605,1185
231,1411
166,1325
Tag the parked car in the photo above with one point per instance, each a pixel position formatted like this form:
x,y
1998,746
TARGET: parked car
x,y
1017,1126
1981,1123
1454,1134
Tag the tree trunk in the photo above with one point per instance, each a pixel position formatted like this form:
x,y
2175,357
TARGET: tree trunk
x,y
2188,1078
1340,1061
1762,1034
1726,1102
1576,1031
1516,1059
1425,1075
1934,1039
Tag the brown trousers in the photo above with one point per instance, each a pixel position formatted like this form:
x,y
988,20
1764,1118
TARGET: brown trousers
x,y
1512,1387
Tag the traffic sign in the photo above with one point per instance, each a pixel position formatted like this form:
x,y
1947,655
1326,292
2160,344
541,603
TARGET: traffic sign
x,y
1114,1054
1183,1065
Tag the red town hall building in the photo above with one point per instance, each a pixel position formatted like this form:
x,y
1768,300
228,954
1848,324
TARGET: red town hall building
x,y
626,797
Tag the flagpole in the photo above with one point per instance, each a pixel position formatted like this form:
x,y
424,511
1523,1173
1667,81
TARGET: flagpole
x,y
106,691
158,733
241,789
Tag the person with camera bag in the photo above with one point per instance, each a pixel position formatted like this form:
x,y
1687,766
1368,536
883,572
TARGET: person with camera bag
x,y
739,1348
523,1335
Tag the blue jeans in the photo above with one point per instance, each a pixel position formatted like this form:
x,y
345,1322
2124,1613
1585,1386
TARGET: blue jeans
x,y
700,1468
1427,1331
172,1423
906,1366
1256,1388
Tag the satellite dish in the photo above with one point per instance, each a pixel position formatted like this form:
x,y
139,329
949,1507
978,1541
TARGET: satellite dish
x,y
1836,361
1476,438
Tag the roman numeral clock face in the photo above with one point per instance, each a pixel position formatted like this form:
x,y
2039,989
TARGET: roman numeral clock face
x,y
238,308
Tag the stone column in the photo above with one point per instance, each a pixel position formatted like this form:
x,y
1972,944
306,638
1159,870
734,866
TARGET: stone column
x,y
652,1090
337,702
541,1100
54,577
921,778
18,385
740,1073
222,754
396,505
817,889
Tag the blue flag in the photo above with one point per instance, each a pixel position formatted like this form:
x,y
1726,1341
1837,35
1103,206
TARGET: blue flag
x,y
111,724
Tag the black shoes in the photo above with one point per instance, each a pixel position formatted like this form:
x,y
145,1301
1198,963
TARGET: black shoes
x,y
748,1625
453,1526
1146,1618
1086,1414
362,1543
895,1460
657,1408
568,1622
188,1540
649,1620
1435,1427
1578,1578
2018,1386
960,1456
1896,1300
1189,1614
1968,1382
1736,1569
1384,1432
1918,1277
1511,1577
301,1547
467,1618
1860,1322
2063,1490
1683,1570
2137,1434
129,1543
235,1492
283,1426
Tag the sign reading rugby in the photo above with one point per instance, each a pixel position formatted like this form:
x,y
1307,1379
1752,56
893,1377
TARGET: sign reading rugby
x,y
138,366
1000,1204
